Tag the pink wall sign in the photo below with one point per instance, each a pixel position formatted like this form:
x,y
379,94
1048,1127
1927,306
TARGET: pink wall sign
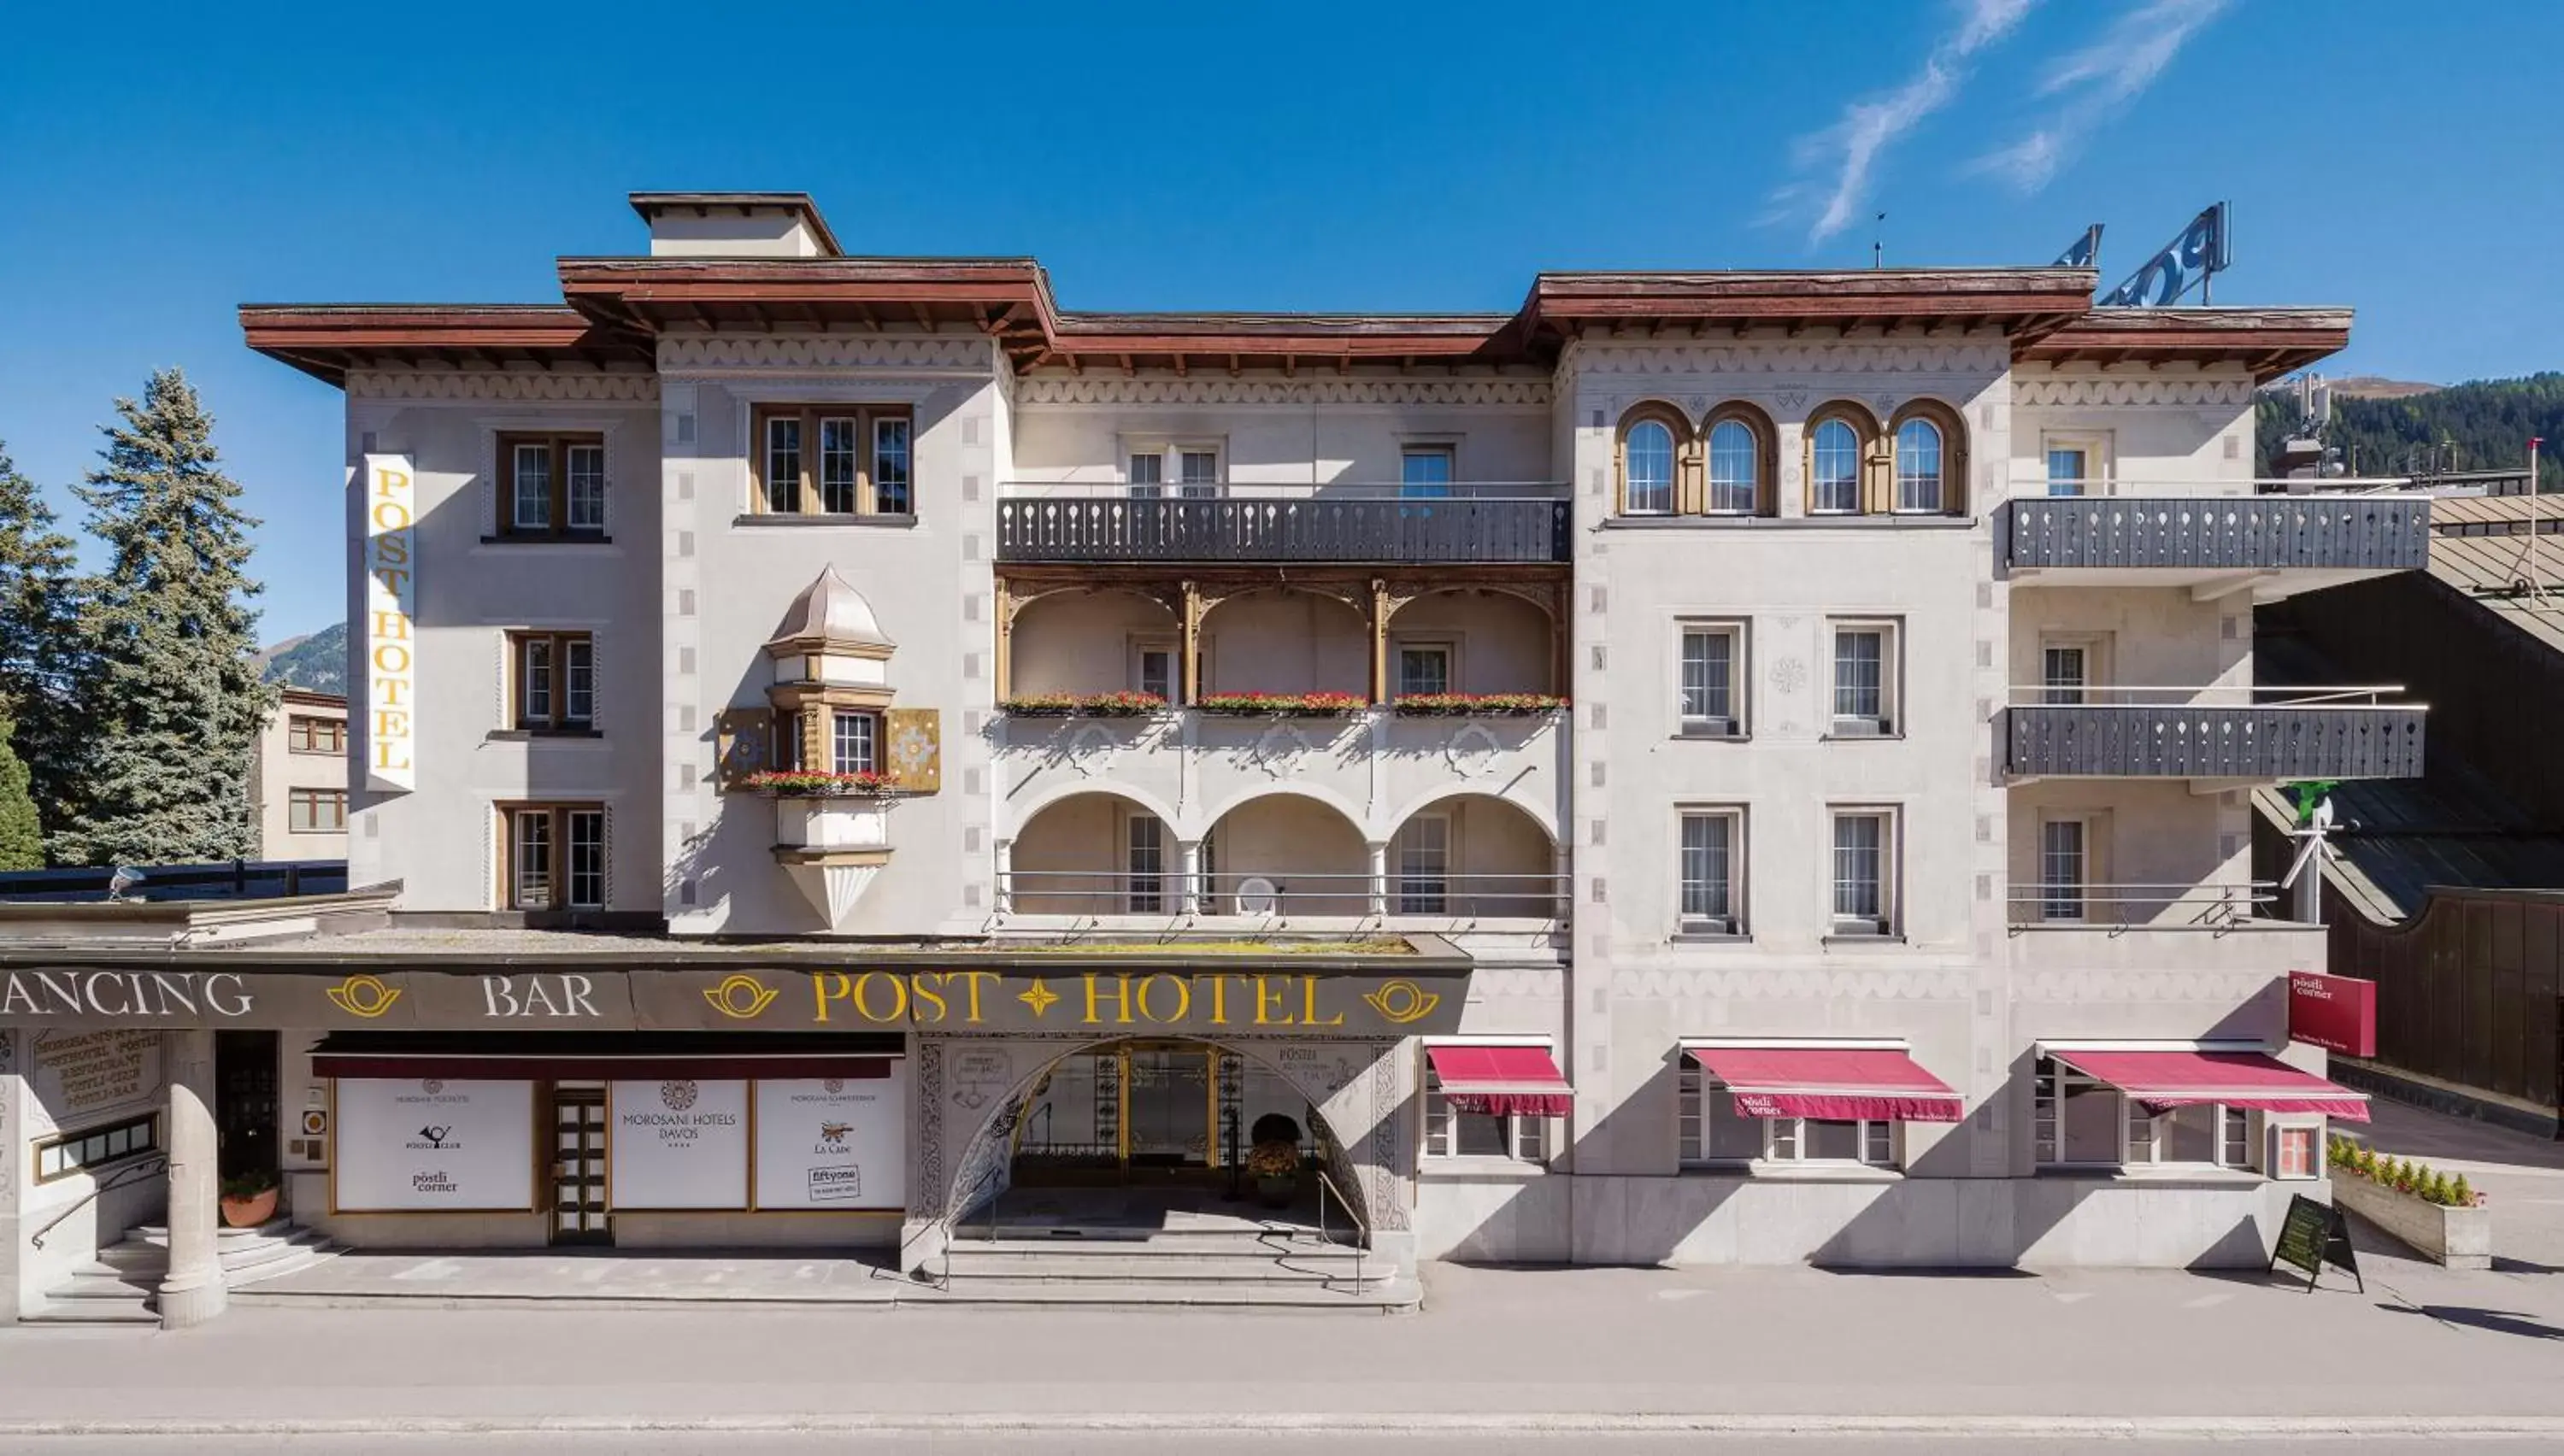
x,y
2335,1012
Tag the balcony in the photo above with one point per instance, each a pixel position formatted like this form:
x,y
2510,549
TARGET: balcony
x,y
2247,734
1220,522
2131,535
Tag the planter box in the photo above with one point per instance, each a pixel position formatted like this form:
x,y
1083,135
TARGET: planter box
x,y
837,822
2461,1238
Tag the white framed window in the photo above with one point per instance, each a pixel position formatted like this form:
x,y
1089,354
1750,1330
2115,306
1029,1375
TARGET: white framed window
x,y
1145,865
1710,863
1920,485
2064,867
1710,677
1868,671
1148,476
1835,459
1425,667
1153,667
2064,671
1647,469
1711,1133
1450,1132
783,478
533,479
1424,470
584,489
1735,468
853,739
586,879
1423,851
1864,871
2078,465
1198,472
2078,1120
1193,468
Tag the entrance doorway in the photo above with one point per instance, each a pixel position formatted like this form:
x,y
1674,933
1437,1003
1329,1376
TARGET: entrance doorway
x,y
245,1102
1149,1112
579,1164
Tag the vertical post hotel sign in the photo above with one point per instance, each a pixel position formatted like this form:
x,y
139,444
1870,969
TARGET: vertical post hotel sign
x,y
391,602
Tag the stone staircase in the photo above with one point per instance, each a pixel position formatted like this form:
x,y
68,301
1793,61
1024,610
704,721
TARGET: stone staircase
x,y
1242,1268
123,1285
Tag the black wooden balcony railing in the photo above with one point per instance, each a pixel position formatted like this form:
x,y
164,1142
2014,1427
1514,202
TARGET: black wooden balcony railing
x,y
2217,532
2310,736
1323,528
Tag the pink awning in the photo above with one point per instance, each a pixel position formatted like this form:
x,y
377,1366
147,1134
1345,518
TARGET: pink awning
x,y
2162,1081
1843,1084
1503,1081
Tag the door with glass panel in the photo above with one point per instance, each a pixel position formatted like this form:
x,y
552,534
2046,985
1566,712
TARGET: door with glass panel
x,y
579,1164
1169,1117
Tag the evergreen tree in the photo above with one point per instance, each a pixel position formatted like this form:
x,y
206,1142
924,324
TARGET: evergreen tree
x,y
22,841
39,643
169,695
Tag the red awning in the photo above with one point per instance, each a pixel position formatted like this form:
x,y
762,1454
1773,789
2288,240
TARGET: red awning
x,y
2162,1081
1846,1084
1503,1081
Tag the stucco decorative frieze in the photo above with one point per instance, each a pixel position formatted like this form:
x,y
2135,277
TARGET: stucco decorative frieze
x,y
1036,390
591,387
2097,392
1918,356
1884,984
711,351
2148,986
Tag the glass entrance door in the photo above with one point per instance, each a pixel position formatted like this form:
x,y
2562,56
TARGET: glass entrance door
x,y
1168,1123
1134,1111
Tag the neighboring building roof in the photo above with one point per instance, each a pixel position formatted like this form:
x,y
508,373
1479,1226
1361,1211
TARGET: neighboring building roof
x,y
2480,547
2272,341
306,698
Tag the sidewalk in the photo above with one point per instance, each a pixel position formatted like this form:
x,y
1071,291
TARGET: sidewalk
x,y
2523,1177
2421,1345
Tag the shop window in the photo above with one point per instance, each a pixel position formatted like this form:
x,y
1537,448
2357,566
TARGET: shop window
x,y
2081,1121
93,1148
1450,1132
551,486
1712,1132
832,460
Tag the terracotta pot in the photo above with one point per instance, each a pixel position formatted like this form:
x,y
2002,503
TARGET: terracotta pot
x,y
249,1212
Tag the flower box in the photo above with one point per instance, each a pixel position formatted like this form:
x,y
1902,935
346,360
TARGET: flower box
x,y
1083,705
790,783
2459,1238
831,822
1280,705
1477,705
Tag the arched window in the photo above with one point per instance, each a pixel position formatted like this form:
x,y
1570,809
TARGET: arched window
x,y
1647,465
1918,467
1834,465
1735,468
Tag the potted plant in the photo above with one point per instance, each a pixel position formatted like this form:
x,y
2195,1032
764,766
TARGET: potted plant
x,y
1083,705
1477,705
807,783
1279,704
249,1199
1274,1159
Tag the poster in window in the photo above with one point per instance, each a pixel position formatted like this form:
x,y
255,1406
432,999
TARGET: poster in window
x,y
833,1142
679,1143
431,1144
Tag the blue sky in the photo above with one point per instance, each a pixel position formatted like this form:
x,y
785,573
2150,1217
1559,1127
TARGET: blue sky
x,y
164,163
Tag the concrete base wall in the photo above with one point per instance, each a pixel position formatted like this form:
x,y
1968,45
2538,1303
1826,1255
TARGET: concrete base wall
x,y
1855,1219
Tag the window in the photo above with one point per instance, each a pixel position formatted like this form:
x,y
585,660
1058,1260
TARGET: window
x,y
1145,864
1712,672
1710,841
1835,453
554,681
851,740
1423,667
1865,679
2063,869
306,733
316,810
832,460
1919,482
1735,468
92,1148
1711,1131
1200,473
2078,465
2294,1156
1147,477
554,857
551,484
1425,470
2064,671
1647,469
1864,872
1449,1133
1153,669
2081,1121
1424,865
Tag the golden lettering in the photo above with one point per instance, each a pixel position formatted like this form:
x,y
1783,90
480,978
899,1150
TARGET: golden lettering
x,y
921,996
383,755
1121,1000
1269,999
1309,1004
391,657
391,550
391,516
392,688
1219,1000
899,996
1183,999
971,981
390,482
391,625
845,990
391,723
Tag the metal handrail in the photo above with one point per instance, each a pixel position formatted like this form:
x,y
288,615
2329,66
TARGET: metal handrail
x,y
130,1173
2218,903
2033,486
1361,1248
1112,891
2202,695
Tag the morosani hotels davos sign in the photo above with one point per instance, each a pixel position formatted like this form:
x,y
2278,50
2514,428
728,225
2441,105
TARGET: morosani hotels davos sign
x,y
391,503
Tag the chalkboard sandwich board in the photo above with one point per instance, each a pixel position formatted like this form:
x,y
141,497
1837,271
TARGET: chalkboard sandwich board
x,y
2314,1235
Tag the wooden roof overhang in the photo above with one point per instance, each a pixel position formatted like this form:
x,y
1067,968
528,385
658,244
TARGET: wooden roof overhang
x,y
2025,302
1236,342
2269,341
326,341
1008,297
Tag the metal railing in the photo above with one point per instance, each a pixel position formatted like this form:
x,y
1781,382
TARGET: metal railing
x,y
2202,695
125,1177
1316,893
2033,486
2134,906
1361,1243
1232,489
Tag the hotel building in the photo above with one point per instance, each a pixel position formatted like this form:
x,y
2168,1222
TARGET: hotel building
x,y
849,753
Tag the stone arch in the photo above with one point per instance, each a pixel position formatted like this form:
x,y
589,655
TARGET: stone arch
x,y
1080,639
1491,654
1306,839
1293,637
1677,423
1539,813
1499,859
1066,855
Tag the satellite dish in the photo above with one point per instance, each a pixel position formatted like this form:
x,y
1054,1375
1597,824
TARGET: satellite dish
x,y
1258,895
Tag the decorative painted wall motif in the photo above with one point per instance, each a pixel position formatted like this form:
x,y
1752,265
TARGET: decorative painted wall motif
x,y
73,1076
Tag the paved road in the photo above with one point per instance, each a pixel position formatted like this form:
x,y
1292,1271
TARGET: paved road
x,y
1237,1444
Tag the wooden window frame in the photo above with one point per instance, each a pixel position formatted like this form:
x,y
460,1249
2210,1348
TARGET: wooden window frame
x,y
836,763
559,447
1954,455
556,718
296,800
303,732
806,493
1874,475
1686,458
556,875
1766,461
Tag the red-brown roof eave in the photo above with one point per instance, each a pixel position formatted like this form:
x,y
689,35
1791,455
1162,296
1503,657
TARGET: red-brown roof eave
x,y
2272,341
326,340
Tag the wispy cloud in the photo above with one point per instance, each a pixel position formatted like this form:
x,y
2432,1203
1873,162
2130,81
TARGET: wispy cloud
x,y
2093,85
1839,164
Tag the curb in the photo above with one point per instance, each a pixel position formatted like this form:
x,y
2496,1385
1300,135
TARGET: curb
x,y
859,1425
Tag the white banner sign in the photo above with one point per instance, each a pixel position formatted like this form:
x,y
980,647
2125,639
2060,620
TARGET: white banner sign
x,y
435,1145
391,604
680,1145
833,1142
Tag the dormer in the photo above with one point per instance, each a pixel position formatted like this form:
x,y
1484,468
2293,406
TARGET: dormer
x,y
735,225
